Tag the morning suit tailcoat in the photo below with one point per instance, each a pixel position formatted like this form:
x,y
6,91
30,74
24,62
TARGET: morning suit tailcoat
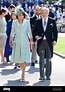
x,y
32,21
50,33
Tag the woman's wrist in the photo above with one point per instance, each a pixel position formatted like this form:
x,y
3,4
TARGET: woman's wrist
x,y
31,41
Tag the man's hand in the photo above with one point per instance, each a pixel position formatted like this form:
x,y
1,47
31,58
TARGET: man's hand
x,y
38,37
54,43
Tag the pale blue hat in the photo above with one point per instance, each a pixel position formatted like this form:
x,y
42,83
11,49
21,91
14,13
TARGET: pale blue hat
x,y
19,11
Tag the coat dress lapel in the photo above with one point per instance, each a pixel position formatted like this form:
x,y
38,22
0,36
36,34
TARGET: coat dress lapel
x,y
23,24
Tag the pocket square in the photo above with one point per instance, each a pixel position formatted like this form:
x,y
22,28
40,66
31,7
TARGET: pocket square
x,y
51,24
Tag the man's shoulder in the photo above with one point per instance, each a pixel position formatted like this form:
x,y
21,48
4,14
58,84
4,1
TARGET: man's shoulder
x,y
7,15
39,19
32,16
51,18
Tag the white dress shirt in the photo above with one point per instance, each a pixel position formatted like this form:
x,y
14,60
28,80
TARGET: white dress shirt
x,y
44,26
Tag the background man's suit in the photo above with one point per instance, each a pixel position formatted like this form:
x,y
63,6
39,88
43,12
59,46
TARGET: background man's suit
x,y
7,17
34,52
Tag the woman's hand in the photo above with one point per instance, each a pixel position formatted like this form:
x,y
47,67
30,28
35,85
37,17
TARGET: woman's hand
x,y
31,44
11,44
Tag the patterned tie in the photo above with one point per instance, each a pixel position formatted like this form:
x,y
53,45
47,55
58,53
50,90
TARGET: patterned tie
x,y
44,24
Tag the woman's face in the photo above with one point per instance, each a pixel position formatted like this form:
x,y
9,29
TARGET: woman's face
x,y
13,16
3,14
20,17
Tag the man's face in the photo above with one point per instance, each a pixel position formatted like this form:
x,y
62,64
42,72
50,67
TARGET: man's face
x,y
37,11
45,13
12,9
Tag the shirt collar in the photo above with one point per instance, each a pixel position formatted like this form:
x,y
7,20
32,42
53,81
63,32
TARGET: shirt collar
x,y
38,16
46,19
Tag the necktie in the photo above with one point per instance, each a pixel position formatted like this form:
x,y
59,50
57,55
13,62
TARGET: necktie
x,y
44,24
44,28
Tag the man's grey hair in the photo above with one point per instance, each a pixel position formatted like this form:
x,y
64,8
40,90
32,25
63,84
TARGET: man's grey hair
x,y
44,8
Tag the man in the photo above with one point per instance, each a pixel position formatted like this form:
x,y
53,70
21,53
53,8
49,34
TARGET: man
x,y
10,9
45,32
32,22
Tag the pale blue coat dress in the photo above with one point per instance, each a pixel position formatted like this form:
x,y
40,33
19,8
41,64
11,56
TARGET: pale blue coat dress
x,y
21,45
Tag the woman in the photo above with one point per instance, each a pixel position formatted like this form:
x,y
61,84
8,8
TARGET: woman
x,y
21,47
8,49
2,34
59,23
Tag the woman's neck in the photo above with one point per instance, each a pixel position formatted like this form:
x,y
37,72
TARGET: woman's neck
x,y
0,16
21,21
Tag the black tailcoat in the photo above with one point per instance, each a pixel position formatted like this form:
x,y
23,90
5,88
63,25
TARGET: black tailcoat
x,y
51,32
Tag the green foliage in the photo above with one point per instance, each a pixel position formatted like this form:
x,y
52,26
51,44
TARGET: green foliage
x,y
60,47
48,1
